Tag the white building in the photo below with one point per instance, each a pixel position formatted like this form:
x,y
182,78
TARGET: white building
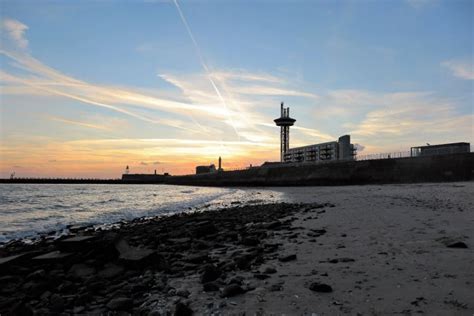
x,y
336,150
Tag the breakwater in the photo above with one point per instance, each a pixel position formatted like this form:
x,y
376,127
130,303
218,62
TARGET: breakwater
x,y
441,168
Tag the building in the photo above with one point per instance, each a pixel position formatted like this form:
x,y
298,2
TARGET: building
x,y
206,169
442,149
336,150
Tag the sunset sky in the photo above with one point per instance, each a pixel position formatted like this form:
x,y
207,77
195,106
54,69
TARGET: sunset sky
x,y
89,87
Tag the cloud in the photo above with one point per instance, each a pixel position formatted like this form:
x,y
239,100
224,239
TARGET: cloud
x,y
15,30
359,147
410,118
143,163
78,123
460,68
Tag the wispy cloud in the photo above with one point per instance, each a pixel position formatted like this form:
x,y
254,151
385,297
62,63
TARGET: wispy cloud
x,y
104,126
15,30
460,68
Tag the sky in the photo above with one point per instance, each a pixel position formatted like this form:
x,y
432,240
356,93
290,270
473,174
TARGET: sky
x,y
90,87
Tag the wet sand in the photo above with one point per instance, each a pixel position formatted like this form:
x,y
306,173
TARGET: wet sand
x,y
368,250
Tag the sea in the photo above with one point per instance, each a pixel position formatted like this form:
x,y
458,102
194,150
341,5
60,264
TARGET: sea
x,y
29,211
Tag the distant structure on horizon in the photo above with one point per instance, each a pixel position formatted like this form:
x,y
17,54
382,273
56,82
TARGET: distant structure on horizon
x,y
335,150
210,168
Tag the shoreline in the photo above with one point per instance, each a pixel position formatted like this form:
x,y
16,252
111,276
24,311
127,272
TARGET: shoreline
x,y
377,250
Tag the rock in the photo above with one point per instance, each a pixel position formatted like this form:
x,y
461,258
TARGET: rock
x,y
287,258
210,287
23,309
236,280
80,271
198,258
56,303
344,259
183,293
244,261
249,241
205,230
53,257
139,257
210,273
275,287
320,287
76,243
269,270
458,244
318,232
120,303
110,271
7,261
232,290
36,275
181,309
273,225
261,276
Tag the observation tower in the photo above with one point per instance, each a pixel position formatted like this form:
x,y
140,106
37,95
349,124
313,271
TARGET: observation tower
x,y
284,121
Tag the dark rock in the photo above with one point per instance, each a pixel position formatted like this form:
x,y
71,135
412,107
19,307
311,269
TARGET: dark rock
x,y
344,259
318,232
210,273
76,243
110,271
183,293
249,241
269,270
261,276
22,308
139,257
236,280
458,244
36,275
210,287
120,303
56,303
79,271
287,258
83,299
273,225
275,287
205,230
320,287
181,309
53,257
198,258
244,261
232,290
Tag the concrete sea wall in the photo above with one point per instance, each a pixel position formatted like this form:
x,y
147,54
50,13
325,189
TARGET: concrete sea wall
x,y
453,167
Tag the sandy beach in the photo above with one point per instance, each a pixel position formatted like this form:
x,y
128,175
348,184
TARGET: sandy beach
x,y
357,250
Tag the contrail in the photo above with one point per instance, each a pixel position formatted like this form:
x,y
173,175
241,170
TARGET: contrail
x,y
203,64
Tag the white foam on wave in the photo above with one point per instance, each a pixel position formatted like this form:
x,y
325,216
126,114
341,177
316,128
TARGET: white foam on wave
x,y
31,210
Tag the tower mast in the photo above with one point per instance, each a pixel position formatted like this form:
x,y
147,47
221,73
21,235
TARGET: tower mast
x,y
284,121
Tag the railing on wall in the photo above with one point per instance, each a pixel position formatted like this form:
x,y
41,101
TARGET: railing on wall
x,y
400,154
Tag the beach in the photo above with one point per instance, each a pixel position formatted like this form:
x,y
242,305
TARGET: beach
x,y
357,250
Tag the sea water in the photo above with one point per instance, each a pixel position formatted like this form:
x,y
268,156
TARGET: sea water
x,y
27,210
